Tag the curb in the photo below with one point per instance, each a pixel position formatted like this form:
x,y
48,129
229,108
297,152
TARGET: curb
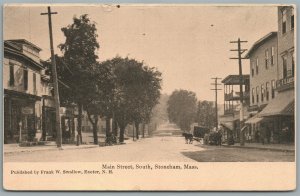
x,y
260,148
48,149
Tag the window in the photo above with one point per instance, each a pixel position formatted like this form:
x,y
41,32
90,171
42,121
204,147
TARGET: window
x,y
11,75
266,58
34,84
283,21
272,56
293,64
253,99
273,88
252,69
262,93
284,65
257,94
25,77
256,66
292,18
267,90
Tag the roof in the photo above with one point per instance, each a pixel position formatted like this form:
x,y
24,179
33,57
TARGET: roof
x,y
24,41
11,48
260,42
235,79
282,105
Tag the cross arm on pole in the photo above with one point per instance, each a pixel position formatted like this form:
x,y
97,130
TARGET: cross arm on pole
x,y
48,13
238,41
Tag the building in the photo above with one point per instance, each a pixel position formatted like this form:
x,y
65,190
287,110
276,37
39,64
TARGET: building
x,y
263,76
274,122
230,120
280,111
22,91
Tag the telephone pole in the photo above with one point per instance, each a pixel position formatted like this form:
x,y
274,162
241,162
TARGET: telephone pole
x,y
216,97
55,80
241,81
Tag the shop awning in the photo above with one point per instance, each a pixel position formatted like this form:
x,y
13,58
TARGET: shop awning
x,y
227,125
282,105
254,119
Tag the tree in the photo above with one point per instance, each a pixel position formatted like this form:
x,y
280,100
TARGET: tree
x,y
182,108
79,55
206,115
137,89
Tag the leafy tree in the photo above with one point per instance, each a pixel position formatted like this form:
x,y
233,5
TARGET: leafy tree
x,y
135,94
101,97
79,55
182,108
206,115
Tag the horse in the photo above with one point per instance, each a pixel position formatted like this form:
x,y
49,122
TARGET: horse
x,y
188,138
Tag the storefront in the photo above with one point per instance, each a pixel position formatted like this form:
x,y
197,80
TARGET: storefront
x,y
280,117
20,121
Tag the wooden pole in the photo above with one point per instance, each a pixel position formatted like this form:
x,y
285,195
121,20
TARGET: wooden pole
x,y
55,81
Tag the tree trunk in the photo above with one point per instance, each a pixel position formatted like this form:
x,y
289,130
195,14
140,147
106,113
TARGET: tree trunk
x,y
137,130
107,126
115,127
143,130
94,124
79,119
95,133
122,130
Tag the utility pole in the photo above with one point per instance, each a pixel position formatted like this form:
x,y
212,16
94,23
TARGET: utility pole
x,y
55,81
241,81
216,97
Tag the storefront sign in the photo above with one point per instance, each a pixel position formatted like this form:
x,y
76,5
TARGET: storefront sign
x,y
27,110
284,82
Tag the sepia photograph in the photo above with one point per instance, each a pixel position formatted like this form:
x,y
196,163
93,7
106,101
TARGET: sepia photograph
x,y
149,91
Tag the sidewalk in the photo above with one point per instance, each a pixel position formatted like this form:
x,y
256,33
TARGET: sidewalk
x,y
15,148
274,147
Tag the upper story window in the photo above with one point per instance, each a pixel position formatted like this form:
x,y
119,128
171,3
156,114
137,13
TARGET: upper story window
x,y
262,93
256,65
25,78
273,88
11,75
267,90
272,56
293,64
257,94
34,83
292,18
266,58
283,21
253,97
252,69
284,65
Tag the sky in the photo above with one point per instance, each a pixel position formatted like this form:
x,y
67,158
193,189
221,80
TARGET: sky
x,y
189,44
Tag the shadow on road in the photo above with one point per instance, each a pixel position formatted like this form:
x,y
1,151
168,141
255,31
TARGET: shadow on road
x,y
223,154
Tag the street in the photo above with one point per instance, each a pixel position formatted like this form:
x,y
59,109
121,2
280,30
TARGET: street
x,y
155,149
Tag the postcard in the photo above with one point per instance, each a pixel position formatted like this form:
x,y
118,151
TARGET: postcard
x,y
149,97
